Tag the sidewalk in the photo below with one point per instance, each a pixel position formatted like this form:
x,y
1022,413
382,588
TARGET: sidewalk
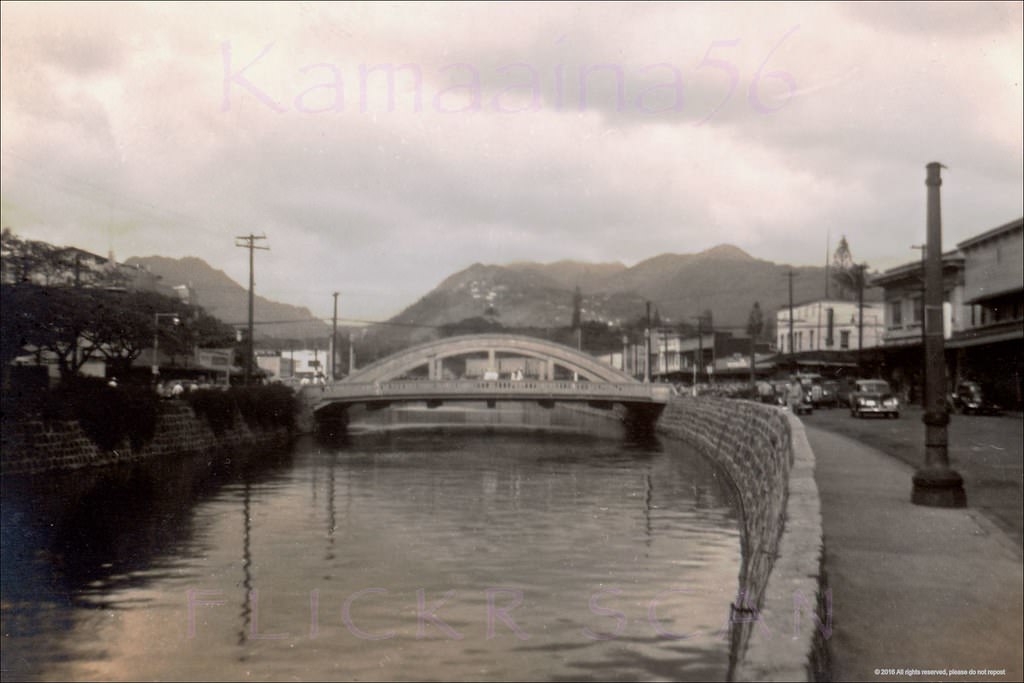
x,y
912,587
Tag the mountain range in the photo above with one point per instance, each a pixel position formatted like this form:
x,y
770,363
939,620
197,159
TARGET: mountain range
x,y
227,300
724,280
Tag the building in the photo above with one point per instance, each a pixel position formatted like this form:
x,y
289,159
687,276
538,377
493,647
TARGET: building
x,y
983,314
903,339
277,364
830,325
987,347
717,353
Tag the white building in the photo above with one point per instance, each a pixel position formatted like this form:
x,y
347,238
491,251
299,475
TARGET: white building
x,y
829,325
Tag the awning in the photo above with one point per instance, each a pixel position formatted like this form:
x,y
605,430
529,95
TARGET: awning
x,y
981,339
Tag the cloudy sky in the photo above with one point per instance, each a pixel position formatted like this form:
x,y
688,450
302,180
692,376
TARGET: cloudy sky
x,y
599,132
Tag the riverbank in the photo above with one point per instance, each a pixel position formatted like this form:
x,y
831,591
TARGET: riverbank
x,y
36,446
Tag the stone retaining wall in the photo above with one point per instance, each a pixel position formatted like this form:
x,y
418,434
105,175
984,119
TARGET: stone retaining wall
x,y
781,618
37,446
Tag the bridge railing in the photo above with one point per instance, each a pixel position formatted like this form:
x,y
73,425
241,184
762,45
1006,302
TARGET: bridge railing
x,y
484,388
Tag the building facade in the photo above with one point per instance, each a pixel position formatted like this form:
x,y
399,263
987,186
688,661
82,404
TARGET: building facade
x,y
983,315
830,325
987,349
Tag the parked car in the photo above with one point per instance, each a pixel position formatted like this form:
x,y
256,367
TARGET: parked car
x,y
829,397
805,406
873,397
970,399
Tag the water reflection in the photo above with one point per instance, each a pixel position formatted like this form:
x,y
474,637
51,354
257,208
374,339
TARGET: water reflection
x,y
337,542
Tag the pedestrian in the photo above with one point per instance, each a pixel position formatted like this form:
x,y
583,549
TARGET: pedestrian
x,y
795,395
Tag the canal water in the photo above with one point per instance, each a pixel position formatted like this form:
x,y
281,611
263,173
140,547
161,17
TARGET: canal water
x,y
426,545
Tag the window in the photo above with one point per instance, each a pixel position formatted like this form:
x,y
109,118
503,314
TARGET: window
x,y
895,313
844,339
800,341
811,344
918,304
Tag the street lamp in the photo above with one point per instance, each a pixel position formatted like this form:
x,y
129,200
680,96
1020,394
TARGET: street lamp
x,y
156,338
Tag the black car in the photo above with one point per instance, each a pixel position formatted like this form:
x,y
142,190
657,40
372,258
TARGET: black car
x,y
873,397
970,399
828,397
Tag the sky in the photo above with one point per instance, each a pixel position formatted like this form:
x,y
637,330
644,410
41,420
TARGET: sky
x,y
381,147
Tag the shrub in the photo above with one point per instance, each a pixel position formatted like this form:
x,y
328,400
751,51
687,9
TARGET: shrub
x,y
215,406
260,406
106,414
266,405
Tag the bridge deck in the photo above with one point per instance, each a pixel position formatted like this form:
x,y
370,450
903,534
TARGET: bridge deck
x,y
521,390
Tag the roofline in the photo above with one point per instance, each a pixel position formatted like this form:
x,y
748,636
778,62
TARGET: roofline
x,y
785,307
994,232
953,257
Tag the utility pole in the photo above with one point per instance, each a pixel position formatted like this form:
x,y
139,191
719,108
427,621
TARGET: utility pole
x,y
351,355
828,245
860,268
647,346
792,353
700,347
334,340
249,242
935,484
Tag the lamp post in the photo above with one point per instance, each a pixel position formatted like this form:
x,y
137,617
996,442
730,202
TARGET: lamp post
x,y
936,484
156,339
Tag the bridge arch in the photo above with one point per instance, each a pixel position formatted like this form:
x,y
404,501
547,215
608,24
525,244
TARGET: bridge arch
x,y
433,352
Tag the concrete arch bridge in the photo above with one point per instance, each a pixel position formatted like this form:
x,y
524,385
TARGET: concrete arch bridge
x,y
491,368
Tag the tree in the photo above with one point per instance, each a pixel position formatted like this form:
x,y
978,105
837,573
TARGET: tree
x,y
29,260
24,260
577,308
707,320
847,275
123,326
45,319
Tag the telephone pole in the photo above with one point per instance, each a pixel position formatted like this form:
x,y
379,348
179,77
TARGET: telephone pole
x,y
859,269
792,353
647,346
334,340
249,242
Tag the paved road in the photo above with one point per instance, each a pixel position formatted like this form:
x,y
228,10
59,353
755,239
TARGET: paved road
x,y
987,451
913,588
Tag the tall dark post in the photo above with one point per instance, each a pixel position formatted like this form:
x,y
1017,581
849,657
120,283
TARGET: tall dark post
x,y
792,352
647,345
700,347
935,484
334,340
859,269
249,242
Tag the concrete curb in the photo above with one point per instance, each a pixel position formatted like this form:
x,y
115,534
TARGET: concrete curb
x,y
782,621
796,603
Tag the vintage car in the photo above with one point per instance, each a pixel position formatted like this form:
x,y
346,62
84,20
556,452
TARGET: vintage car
x,y
804,406
829,396
873,397
970,399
